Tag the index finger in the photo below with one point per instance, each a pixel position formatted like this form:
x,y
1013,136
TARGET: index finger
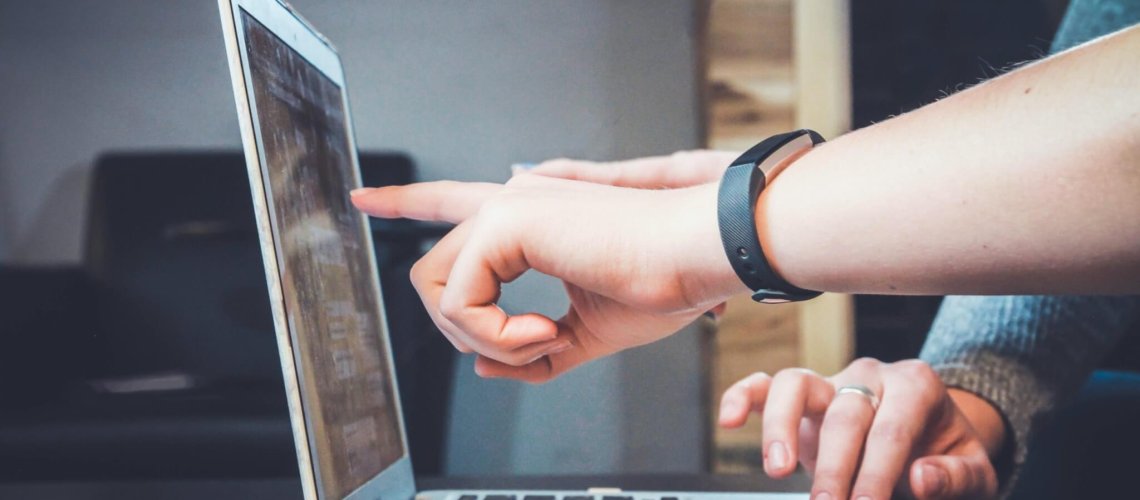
x,y
747,394
442,201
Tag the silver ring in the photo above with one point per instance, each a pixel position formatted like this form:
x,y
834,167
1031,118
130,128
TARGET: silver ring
x,y
861,390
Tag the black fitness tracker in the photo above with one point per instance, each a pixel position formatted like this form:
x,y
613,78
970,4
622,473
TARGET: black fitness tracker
x,y
736,205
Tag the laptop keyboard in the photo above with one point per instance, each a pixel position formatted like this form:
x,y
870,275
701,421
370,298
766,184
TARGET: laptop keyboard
x,y
561,497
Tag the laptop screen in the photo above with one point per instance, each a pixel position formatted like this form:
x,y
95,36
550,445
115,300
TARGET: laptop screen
x,y
324,257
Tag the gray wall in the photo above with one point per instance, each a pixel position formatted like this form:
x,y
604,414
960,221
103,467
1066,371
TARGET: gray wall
x,y
465,87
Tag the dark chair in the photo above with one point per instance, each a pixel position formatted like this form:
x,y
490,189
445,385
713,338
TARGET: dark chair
x,y
172,294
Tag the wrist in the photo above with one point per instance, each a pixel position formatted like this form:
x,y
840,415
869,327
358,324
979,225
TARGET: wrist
x,y
700,264
986,420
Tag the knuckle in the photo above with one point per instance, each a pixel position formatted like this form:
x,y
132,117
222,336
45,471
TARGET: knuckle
x,y
791,376
493,209
890,432
865,364
846,416
450,308
918,371
417,273
498,214
756,378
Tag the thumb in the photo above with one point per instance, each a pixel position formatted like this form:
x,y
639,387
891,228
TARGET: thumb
x,y
953,476
548,367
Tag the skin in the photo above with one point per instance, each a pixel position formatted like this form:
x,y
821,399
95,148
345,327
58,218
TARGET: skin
x,y
1028,183
921,441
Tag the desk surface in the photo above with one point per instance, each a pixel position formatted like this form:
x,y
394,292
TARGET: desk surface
x,y
285,488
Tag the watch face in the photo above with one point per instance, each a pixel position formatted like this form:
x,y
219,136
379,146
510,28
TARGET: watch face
x,y
785,155
735,214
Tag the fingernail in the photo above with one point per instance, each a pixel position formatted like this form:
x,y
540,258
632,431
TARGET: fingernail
x,y
777,456
359,191
563,347
933,479
823,495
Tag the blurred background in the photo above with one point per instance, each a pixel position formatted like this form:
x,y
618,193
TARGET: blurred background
x,y
132,306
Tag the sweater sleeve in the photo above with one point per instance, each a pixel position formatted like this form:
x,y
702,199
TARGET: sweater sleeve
x,y
1024,354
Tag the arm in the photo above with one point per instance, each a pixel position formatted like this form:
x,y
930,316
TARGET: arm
x,y
1023,355
997,362
1028,183
919,441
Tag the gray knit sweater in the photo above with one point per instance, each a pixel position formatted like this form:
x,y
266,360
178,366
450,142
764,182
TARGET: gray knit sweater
x,y
1027,355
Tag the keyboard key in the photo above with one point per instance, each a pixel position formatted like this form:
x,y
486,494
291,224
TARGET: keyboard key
x,y
468,497
499,497
670,498
578,497
539,497
607,497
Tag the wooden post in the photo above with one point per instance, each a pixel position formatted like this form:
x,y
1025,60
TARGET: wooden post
x,y
822,61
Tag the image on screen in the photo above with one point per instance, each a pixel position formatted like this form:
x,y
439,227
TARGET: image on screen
x,y
331,304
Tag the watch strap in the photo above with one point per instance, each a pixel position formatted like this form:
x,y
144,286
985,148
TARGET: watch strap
x,y
739,189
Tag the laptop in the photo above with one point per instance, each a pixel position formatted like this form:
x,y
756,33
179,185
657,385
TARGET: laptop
x,y
324,289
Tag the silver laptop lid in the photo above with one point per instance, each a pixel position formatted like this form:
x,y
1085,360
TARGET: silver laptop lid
x,y
318,254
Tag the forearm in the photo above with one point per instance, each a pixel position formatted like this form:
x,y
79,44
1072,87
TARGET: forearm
x,y
1028,183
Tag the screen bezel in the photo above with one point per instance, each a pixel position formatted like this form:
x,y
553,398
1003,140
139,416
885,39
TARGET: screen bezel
x,y
395,481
